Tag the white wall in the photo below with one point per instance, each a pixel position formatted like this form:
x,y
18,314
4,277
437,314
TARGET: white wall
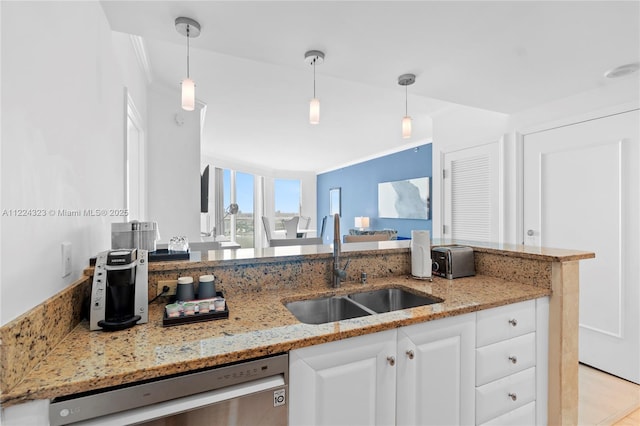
x,y
173,165
62,144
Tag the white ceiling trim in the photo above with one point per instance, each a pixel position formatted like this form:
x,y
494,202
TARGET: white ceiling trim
x,y
141,55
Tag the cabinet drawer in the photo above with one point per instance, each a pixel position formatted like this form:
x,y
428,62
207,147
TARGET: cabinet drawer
x,y
503,358
504,395
505,322
523,416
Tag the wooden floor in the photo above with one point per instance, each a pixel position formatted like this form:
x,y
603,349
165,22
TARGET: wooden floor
x,y
607,400
632,419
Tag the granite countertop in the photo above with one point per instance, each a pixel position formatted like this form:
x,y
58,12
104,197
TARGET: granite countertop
x,y
258,325
255,256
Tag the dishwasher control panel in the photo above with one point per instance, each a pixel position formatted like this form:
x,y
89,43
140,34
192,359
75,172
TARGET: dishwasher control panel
x,y
265,379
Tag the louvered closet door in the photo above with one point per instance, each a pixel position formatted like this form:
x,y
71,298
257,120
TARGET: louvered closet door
x,y
471,194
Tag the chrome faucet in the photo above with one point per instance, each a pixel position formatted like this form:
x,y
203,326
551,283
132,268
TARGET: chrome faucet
x,y
338,274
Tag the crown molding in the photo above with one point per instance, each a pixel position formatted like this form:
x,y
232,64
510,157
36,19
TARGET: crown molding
x,y
141,54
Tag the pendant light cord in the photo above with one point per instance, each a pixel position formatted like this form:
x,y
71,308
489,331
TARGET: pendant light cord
x,y
406,109
188,51
314,76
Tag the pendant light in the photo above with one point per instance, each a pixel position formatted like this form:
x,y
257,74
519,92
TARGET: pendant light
x,y
406,80
314,57
190,29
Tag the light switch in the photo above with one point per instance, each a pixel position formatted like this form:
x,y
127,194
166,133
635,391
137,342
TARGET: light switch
x,y
66,259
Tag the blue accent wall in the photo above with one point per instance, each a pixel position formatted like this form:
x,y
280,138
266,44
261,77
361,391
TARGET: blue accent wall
x,y
359,190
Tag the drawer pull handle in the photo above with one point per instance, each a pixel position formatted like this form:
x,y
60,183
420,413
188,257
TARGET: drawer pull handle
x,y
392,360
513,359
410,354
513,322
513,396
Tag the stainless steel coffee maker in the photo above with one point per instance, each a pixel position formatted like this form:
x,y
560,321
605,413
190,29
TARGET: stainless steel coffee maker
x,y
119,293
142,235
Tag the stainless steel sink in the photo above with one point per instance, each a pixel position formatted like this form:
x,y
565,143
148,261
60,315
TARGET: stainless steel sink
x,y
392,299
354,305
326,309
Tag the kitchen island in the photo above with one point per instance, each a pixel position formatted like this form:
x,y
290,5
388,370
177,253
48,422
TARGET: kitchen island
x,y
259,324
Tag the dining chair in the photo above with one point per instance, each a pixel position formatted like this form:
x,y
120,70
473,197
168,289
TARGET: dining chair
x,y
324,225
267,228
303,224
295,242
291,226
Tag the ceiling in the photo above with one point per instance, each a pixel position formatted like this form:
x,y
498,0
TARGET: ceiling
x,y
249,69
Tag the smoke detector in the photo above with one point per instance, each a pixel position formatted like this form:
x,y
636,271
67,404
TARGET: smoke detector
x,y
622,70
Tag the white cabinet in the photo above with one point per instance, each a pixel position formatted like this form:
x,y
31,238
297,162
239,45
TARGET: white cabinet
x,y
503,358
488,367
30,413
511,364
525,415
420,374
504,395
347,382
505,322
435,383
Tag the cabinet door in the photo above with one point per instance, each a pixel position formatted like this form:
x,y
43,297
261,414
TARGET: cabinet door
x,y
348,382
436,372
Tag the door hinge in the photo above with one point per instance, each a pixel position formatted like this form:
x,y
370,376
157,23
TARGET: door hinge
x,y
444,174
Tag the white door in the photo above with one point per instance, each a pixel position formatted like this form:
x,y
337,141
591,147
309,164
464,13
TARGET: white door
x,y
471,194
348,382
582,191
436,372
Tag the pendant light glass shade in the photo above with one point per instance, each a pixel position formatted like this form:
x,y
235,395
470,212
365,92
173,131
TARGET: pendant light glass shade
x,y
188,94
314,111
406,127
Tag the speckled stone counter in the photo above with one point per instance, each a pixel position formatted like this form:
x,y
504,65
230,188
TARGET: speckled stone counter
x,y
256,283
256,326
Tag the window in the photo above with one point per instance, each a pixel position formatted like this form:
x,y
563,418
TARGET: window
x,y
238,188
244,234
256,197
287,200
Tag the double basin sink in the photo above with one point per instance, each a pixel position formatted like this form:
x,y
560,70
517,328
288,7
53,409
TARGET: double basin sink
x,y
354,305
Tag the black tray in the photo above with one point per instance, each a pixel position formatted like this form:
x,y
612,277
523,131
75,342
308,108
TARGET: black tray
x,y
198,317
162,255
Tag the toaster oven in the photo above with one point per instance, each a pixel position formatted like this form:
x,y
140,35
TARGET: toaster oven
x,y
452,261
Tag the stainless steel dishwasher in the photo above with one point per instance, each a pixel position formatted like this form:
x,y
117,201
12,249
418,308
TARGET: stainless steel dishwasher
x,y
247,393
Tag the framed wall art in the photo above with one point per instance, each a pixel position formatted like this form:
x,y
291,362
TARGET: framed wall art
x,y
404,199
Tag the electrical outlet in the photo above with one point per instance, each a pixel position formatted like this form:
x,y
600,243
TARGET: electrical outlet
x,y
66,259
172,284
